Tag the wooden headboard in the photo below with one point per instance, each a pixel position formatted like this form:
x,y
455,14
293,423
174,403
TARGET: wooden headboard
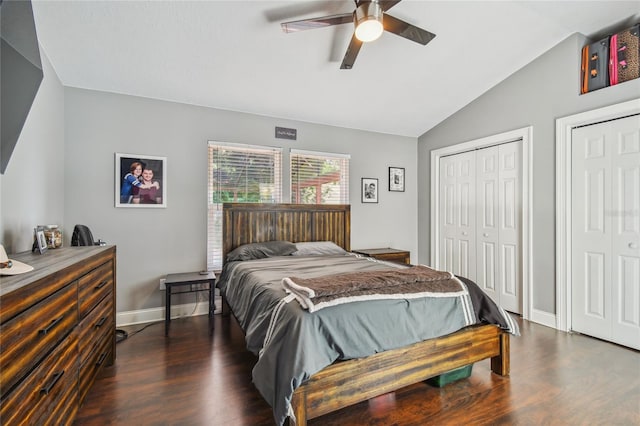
x,y
244,223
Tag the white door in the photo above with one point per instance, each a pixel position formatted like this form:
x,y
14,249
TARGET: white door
x,y
510,227
480,210
488,184
457,214
605,232
499,213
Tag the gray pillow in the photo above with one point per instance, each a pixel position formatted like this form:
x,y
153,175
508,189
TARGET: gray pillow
x,y
318,248
261,250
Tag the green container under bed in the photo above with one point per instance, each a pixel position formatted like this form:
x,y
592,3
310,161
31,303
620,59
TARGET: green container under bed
x,y
451,376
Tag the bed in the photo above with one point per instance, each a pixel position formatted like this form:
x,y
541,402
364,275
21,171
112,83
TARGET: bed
x,y
340,375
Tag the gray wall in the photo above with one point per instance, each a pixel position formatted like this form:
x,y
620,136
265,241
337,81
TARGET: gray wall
x,y
153,242
32,187
62,170
546,89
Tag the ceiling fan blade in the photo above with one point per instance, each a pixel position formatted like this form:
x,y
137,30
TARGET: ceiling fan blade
x,y
388,4
406,30
310,24
352,53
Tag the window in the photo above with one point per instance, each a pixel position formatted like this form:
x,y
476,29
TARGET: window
x,y
319,178
238,174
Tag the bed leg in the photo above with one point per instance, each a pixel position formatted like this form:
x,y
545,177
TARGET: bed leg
x,y
299,405
226,310
501,364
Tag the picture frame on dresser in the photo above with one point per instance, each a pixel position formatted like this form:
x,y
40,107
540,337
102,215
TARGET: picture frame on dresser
x,y
40,243
369,188
140,181
396,179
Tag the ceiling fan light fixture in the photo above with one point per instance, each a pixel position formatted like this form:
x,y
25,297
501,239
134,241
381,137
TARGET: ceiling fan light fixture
x,y
368,21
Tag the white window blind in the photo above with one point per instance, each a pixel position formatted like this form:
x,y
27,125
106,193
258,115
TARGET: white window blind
x,y
319,178
238,174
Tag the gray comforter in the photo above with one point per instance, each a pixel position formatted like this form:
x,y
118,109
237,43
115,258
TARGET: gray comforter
x,y
292,344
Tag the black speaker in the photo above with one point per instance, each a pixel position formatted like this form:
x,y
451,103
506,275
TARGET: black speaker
x,y
82,236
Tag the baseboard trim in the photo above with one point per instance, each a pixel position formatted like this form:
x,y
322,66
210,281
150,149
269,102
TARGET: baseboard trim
x,y
143,316
543,318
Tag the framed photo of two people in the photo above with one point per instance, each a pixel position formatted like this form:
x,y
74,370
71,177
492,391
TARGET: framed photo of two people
x,y
141,181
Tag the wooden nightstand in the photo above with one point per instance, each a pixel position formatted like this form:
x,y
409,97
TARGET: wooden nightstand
x,y
393,255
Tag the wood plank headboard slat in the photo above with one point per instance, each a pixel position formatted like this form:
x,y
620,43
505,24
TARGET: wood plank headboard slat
x,y
244,223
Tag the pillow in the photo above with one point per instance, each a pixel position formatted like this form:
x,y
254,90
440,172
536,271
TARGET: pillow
x,y
261,250
318,248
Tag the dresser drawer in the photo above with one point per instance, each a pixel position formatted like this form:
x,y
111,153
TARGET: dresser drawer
x,y
90,370
28,337
97,327
48,395
93,287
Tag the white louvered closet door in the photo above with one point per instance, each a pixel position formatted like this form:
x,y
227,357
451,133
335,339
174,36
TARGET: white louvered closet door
x,y
457,214
605,240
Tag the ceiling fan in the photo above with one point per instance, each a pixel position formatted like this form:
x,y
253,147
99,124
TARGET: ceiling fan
x,y
370,20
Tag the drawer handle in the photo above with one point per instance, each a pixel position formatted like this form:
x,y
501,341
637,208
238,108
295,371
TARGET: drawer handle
x,y
51,325
101,322
102,284
56,376
101,359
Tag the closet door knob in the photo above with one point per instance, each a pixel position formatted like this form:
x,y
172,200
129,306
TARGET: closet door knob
x,y
464,232
633,246
485,235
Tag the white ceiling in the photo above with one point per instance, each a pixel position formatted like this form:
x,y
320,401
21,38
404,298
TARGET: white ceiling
x,y
233,55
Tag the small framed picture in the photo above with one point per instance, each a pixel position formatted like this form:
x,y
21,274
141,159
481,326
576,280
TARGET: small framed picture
x,y
141,181
369,190
40,240
396,179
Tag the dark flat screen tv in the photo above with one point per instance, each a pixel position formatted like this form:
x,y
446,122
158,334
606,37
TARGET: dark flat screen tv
x,y
20,72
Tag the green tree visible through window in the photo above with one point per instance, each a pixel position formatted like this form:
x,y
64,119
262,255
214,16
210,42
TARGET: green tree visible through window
x,y
242,177
238,174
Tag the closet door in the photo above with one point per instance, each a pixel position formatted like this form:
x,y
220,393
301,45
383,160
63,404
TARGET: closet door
x,y
510,227
605,254
626,232
499,213
591,231
457,214
488,256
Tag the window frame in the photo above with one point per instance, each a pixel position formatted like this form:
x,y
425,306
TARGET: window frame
x,y
343,183
214,209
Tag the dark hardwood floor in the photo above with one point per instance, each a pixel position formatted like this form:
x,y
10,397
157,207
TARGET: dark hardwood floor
x,y
191,378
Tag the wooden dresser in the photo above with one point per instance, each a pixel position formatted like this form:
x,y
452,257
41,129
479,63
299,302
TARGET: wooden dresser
x,y
57,330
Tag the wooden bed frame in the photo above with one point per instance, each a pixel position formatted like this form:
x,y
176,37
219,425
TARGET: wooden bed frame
x,y
348,382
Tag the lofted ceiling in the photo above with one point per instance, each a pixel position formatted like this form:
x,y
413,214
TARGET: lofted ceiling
x,y
233,55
